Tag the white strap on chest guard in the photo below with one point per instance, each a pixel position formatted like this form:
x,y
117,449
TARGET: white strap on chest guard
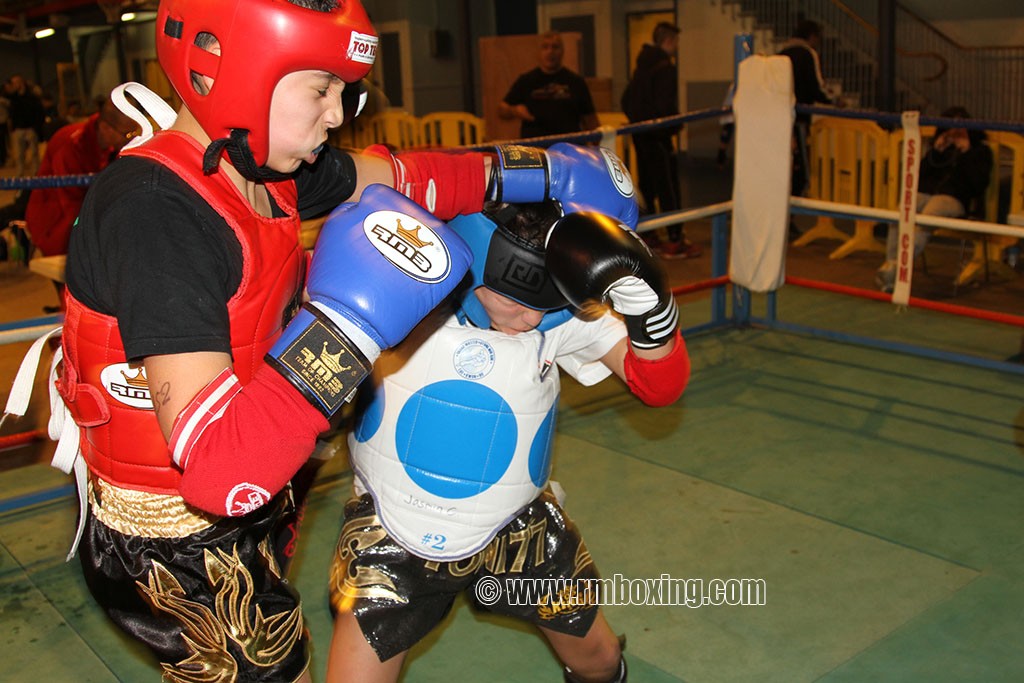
x,y
61,427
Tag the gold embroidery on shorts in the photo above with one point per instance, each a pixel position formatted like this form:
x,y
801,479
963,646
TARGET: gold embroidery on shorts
x,y
210,661
575,594
367,582
269,558
265,641
583,559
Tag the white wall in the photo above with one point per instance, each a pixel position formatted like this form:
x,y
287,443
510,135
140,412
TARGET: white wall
x,y
706,66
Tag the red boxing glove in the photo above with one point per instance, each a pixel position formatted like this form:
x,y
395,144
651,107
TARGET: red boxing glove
x,y
445,184
238,446
659,382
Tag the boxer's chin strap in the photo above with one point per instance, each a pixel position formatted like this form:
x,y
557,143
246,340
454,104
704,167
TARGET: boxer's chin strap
x,y
620,675
237,147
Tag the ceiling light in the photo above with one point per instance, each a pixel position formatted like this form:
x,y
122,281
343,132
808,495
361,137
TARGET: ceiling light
x,y
128,16
45,33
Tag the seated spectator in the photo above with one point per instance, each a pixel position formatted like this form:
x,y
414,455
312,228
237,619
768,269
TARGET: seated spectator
x,y
954,176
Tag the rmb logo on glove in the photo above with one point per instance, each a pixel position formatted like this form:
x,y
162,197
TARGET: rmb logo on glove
x,y
619,174
411,246
328,368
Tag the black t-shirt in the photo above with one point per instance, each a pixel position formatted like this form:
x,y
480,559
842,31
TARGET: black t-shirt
x,y
558,101
148,250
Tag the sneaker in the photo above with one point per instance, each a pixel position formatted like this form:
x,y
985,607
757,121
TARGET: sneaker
x,y
885,277
680,249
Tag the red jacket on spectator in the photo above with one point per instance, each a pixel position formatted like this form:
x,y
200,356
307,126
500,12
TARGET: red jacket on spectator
x,y
73,150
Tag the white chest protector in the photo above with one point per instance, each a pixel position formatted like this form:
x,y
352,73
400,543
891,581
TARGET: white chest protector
x,y
457,437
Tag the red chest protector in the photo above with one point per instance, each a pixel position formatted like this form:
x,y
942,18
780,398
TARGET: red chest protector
x,y
121,440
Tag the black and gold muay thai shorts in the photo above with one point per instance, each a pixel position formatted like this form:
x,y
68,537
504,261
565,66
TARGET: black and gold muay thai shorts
x,y
189,586
397,597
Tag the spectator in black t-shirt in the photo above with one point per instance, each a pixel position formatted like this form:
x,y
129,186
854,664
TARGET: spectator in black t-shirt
x,y
551,99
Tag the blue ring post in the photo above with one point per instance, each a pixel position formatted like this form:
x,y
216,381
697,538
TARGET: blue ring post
x,y
742,47
719,265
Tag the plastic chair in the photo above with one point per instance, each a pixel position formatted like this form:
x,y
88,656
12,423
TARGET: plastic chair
x,y
452,129
397,128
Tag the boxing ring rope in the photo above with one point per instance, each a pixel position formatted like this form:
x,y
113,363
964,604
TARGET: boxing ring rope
x,y
46,182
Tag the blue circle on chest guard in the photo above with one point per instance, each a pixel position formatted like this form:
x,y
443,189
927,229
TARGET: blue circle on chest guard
x,y
540,449
370,411
456,438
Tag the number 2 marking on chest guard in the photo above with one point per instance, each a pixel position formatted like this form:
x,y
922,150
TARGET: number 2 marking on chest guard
x,y
435,541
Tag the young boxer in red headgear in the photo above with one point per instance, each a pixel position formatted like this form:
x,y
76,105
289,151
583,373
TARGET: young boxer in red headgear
x,y
197,377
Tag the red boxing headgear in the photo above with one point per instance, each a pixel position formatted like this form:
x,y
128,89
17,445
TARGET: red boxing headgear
x,y
261,41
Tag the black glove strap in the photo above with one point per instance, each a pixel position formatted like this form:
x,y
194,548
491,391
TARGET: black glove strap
x,y
322,364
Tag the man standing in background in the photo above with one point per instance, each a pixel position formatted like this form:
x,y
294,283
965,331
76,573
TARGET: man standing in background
x,y
551,99
653,93
5,115
809,89
75,149
26,123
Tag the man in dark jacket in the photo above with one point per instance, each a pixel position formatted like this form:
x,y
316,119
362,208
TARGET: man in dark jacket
x,y
808,88
652,93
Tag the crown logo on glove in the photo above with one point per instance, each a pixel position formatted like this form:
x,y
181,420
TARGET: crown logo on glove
x,y
139,380
332,362
411,236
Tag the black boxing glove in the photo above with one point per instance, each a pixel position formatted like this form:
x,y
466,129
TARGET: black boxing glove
x,y
590,256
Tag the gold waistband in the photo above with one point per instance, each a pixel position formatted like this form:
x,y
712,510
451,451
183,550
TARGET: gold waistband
x,y
139,513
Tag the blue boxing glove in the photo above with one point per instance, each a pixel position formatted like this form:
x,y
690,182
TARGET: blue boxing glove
x,y
580,178
379,266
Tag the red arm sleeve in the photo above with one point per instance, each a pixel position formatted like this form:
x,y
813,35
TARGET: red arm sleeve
x,y
659,382
238,447
445,184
